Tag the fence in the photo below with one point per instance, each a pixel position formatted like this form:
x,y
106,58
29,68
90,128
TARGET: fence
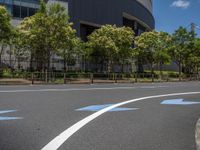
x,y
90,78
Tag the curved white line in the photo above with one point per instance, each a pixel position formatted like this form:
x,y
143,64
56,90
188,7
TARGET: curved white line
x,y
197,134
60,139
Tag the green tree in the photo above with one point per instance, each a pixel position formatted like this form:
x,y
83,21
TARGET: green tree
x,y
47,32
182,40
161,55
153,48
5,29
124,41
71,47
5,25
193,59
147,44
109,43
20,49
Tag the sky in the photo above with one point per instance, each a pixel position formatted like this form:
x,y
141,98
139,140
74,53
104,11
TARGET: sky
x,y
170,14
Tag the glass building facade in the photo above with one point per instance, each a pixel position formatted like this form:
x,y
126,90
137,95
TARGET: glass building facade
x,y
88,15
21,8
8,4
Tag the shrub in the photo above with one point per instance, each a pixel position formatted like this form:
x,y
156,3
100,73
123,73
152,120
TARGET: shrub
x,y
7,73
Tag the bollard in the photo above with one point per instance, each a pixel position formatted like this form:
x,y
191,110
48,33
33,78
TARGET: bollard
x,y
152,77
65,81
136,78
46,76
32,78
115,78
92,78
167,78
190,77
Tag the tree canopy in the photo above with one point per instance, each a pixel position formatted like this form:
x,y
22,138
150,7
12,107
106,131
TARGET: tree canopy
x,y
5,25
48,32
153,48
182,46
110,43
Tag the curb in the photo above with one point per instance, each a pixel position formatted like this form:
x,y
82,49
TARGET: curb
x,y
197,134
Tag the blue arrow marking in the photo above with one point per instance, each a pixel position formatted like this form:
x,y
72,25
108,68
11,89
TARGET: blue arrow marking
x,y
95,108
178,102
8,118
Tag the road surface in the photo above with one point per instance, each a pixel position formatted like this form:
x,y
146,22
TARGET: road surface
x,y
158,116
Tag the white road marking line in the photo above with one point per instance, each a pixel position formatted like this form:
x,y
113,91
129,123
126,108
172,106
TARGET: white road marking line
x,y
60,139
76,89
197,134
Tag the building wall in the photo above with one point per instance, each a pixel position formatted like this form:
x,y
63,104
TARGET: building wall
x,y
147,3
99,12
91,14
64,3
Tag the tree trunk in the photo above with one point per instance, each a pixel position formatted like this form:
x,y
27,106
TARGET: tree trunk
x,y
84,63
140,68
180,70
10,56
31,63
41,65
152,72
1,52
65,63
48,59
18,63
0,55
48,69
161,70
48,63
109,66
122,68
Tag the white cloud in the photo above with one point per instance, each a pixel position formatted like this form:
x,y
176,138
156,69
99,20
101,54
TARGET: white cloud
x,y
181,4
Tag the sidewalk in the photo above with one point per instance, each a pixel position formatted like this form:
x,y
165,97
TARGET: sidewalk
x,y
20,81
14,81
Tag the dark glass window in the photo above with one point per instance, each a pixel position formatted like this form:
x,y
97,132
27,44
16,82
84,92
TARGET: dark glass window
x,y
9,8
8,2
24,12
32,11
16,11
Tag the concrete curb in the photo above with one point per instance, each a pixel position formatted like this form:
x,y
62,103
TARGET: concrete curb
x,y
197,134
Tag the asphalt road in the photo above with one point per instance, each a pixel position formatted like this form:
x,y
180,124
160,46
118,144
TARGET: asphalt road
x,y
48,111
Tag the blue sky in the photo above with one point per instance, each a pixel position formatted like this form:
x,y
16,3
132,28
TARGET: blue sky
x,y
170,14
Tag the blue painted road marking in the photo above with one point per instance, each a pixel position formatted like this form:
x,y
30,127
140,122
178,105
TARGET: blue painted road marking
x,y
8,118
95,108
178,102
7,111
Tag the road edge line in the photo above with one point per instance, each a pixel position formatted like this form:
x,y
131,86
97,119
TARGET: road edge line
x,y
197,134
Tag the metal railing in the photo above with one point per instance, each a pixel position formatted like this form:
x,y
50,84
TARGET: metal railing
x,y
91,78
